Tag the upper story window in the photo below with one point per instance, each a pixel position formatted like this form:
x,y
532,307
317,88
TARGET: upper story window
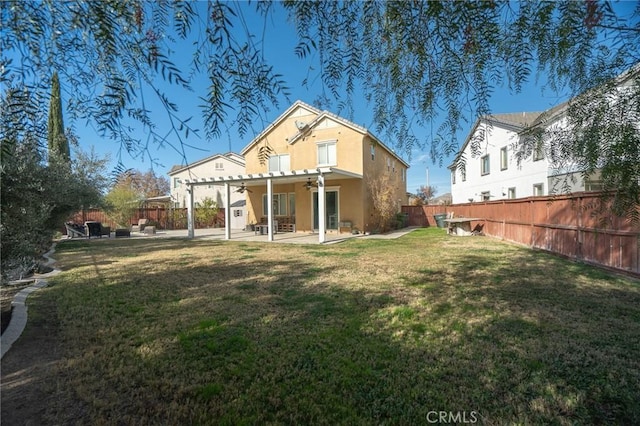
x,y
373,152
403,173
538,151
453,176
485,165
176,182
388,163
327,154
463,174
504,159
279,163
219,166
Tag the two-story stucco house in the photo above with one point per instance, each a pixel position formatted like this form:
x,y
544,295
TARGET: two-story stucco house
x,y
487,167
492,172
310,171
214,165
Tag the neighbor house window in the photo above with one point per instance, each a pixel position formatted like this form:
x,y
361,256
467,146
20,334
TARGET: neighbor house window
x,y
538,151
237,213
388,163
504,162
485,196
463,174
279,163
279,204
327,154
485,165
593,185
511,193
538,189
219,166
453,176
176,182
404,174
373,152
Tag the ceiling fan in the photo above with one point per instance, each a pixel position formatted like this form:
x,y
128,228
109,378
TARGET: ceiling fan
x,y
243,188
310,184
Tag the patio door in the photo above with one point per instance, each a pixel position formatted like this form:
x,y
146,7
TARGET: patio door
x,y
331,204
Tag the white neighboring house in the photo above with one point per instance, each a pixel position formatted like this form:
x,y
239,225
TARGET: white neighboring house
x,y
492,172
217,165
491,169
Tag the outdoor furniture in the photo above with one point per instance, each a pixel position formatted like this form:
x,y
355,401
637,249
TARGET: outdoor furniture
x,y
344,225
140,226
461,226
121,232
149,230
93,229
263,228
105,230
74,230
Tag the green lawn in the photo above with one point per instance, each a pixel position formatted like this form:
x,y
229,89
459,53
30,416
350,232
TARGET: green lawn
x,y
365,332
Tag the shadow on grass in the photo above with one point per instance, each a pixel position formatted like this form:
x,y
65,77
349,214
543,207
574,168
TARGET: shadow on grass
x,y
265,340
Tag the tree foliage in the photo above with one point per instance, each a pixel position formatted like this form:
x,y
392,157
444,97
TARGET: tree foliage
x,y
56,138
419,64
383,194
426,193
120,204
206,212
145,185
37,196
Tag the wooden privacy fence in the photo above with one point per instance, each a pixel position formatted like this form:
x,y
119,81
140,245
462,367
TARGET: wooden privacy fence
x,y
163,218
579,226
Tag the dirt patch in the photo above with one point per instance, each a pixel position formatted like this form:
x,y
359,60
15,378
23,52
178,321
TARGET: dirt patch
x,y
28,369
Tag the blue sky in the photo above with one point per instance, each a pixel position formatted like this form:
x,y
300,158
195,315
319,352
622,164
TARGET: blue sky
x,y
279,42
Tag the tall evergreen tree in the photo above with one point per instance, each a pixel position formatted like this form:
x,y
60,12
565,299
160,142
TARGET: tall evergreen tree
x,y
57,141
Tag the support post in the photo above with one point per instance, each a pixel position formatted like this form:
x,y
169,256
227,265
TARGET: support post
x,y
227,211
190,212
322,210
270,209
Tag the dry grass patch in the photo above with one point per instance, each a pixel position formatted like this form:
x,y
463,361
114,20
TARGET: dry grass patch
x,y
368,331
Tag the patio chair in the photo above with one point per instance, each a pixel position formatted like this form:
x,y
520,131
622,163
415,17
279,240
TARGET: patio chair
x,y
140,226
74,230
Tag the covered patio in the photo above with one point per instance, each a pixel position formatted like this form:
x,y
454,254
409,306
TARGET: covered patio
x,y
320,176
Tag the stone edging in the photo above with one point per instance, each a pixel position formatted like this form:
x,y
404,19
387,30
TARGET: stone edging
x,y
19,312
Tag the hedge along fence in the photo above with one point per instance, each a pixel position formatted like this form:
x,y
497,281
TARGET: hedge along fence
x,y
163,218
580,226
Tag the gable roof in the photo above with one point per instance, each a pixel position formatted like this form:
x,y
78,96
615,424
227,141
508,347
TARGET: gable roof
x,y
320,115
229,156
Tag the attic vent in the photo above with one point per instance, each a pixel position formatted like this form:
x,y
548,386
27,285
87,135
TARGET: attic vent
x,y
301,125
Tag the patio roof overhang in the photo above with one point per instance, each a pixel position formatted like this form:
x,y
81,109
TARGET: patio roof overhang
x,y
268,179
253,179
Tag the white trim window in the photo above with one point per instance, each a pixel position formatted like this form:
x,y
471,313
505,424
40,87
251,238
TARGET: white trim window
x,y
279,204
538,189
219,166
279,163
327,153
485,165
511,193
373,152
504,159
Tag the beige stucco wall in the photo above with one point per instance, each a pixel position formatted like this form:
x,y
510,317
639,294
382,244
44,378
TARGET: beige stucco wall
x,y
352,155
